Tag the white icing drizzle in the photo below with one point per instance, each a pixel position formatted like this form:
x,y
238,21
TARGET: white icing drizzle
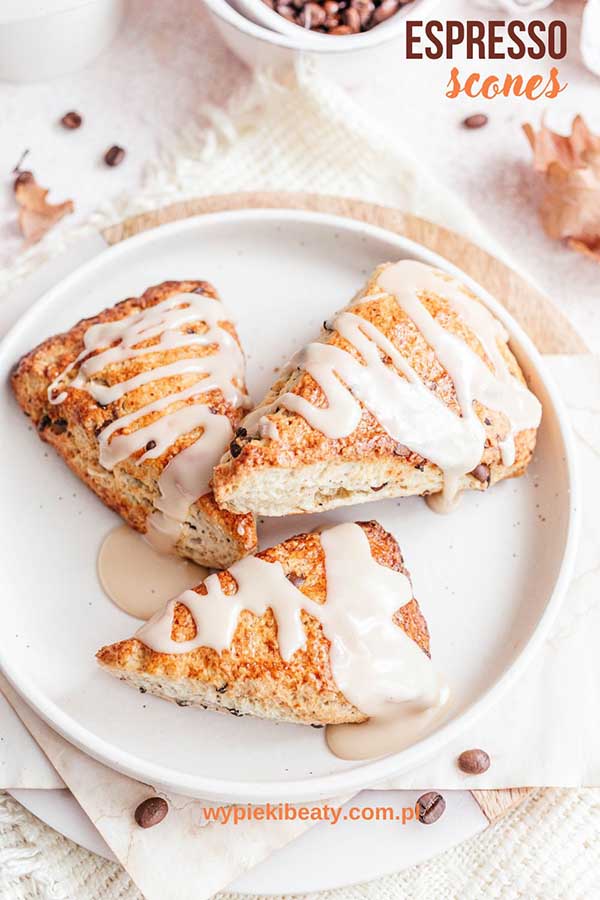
x,y
406,408
186,476
373,661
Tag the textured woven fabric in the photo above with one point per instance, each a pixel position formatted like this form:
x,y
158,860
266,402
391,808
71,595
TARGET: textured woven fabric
x,y
307,135
548,848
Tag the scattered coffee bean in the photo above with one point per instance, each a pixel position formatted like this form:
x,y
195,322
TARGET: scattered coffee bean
x,y
151,811
476,121
71,120
430,807
114,156
473,762
481,473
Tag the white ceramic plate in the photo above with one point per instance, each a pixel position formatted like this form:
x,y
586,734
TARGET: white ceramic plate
x,y
489,578
350,853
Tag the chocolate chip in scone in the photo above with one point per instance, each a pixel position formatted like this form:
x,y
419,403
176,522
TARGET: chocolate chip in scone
x,y
297,580
71,120
222,689
151,812
401,450
235,449
380,487
150,445
430,807
481,473
241,433
183,702
44,422
474,762
59,426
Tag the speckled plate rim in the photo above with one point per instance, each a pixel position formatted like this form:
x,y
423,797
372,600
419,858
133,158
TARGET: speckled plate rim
x,y
357,778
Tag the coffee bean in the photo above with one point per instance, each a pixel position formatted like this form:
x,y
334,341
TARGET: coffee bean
x,y
71,120
473,762
352,19
476,121
287,12
151,811
364,8
430,807
337,17
383,12
114,156
481,473
312,15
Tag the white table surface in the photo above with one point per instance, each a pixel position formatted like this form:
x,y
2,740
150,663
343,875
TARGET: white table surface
x,y
168,61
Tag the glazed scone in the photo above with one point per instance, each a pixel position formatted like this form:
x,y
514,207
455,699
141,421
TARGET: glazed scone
x,y
411,390
250,675
140,402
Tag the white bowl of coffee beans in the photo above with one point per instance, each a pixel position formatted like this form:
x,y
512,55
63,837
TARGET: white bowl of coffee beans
x,y
347,58
323,18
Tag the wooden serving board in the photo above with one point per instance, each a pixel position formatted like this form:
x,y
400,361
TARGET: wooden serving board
x,y
544,323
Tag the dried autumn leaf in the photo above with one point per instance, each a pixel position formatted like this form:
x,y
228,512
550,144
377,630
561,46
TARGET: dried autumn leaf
x,y
36,215
571,206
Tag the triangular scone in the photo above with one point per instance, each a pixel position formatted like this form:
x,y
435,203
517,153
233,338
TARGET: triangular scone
x,y
140,402
250,675
412,389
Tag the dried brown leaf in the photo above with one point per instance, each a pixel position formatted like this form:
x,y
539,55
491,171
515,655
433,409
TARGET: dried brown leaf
x,y
570,209
36,215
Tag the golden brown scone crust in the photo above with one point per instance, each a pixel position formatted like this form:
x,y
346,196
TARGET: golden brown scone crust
x,y
317,472
210,536
251,677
